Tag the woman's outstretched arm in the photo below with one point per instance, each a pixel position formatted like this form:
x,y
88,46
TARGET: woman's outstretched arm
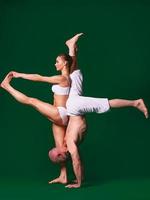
x,y
36,77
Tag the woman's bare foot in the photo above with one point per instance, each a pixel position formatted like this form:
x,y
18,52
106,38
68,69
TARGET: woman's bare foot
x,y
72,41
139,104
6,80
62,180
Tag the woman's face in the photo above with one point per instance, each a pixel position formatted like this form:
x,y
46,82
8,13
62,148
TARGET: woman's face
x,y
60,63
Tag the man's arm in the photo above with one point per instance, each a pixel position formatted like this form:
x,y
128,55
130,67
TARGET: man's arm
x,y
76,162
36,77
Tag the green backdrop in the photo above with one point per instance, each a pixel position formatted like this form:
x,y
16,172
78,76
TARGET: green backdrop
x,y
114,58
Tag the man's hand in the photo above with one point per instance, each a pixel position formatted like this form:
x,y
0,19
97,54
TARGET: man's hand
x,y
74,185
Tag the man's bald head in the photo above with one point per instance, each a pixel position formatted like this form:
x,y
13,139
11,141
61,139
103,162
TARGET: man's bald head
x,y
58,155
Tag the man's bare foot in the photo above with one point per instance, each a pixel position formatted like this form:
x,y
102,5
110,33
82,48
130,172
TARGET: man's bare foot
x,y
6,80
59,180
139,104
72,41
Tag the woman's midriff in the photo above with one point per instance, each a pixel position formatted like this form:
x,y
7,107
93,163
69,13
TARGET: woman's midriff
x,y
60,100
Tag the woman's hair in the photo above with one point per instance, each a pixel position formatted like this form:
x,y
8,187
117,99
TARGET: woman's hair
x,y
67,58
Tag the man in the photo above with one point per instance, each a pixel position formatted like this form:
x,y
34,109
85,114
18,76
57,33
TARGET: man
x,y
77,106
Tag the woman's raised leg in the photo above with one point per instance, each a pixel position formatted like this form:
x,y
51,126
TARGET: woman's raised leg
x,y
46,109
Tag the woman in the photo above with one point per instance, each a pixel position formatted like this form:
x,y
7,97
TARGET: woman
x,y
57,112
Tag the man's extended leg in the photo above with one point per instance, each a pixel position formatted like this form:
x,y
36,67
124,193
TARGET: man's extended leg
x,y
139,104
72,46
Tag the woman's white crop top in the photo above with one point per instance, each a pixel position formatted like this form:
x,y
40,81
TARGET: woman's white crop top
x,y
59,90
